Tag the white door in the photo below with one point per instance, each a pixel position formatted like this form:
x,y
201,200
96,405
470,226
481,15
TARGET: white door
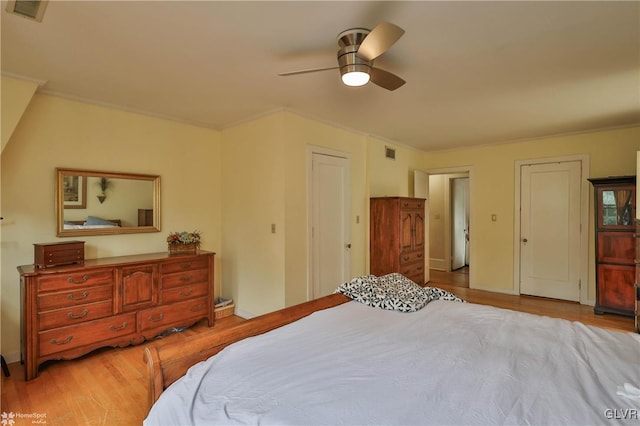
x,y
459,222
330,232
550,230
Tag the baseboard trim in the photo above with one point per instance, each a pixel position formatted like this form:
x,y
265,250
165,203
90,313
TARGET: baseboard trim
x,y
12,358
243,314
437,264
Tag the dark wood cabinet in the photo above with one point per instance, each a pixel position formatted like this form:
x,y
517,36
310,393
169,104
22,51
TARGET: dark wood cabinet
x,y
68,311
138,286
615,202
637,278
397,237
145,217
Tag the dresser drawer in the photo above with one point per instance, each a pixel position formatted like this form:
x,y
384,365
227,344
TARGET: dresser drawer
x,y
415,270
62,281
185,265
412,204
406,258
172,315
180,279
75,336
48,301
187,292
74,315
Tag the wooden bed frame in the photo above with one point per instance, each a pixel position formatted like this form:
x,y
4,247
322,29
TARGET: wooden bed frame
x,y
167,363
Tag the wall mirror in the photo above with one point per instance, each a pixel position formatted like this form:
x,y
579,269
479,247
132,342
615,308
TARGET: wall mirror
x,y
90,202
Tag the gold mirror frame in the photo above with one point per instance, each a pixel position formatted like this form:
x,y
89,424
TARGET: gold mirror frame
x,y
83,197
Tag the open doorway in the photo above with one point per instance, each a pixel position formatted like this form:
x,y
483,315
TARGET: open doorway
x,y
459,222
449,227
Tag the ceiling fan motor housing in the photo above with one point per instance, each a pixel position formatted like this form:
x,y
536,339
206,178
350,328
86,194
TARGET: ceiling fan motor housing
x,y
348,60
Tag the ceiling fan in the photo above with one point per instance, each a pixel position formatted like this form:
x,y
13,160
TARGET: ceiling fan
x,y
358,48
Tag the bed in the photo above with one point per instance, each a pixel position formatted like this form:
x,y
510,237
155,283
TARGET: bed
x,y
341,361
92,222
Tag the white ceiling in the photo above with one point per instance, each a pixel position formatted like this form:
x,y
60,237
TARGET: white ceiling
x,y
477,72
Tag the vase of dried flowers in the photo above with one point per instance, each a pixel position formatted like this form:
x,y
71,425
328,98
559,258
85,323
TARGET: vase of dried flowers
x,y
183,242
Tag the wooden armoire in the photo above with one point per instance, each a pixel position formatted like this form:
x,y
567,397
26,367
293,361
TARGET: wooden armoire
x,y
397,237
615,204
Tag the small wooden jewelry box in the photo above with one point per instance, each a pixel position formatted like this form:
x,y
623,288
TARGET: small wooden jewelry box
x,y
59,253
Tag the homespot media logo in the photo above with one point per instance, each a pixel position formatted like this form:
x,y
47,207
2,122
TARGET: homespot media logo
x,y
622,413
9,419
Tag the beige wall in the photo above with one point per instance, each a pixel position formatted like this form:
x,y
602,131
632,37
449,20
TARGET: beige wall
x,y
16,95
388,177
492,192
253,199
55,132
265,182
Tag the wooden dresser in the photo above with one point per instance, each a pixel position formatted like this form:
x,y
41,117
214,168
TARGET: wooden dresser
x,y
68,311
615,244
397,237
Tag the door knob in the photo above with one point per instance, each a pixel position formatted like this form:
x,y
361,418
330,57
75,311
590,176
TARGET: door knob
x,y
524,240
348,246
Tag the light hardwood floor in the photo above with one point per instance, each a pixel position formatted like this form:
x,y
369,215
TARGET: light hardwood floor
x,y
571,311
108,386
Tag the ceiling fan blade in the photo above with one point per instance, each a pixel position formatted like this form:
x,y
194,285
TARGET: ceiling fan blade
x,y
381,38
284,74
385,79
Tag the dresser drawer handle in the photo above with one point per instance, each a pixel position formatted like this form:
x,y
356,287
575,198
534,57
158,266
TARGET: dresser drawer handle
x,y
185,278
406,258
185,266
82,315
63,342
114,328
84,295
186,293
419,255
84,279
196,308
155,319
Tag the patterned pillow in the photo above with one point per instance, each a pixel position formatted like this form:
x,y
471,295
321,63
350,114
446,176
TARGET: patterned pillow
x,y
393,292
438,293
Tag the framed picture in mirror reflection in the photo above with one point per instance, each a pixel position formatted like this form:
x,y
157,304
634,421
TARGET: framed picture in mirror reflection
x,y
75,192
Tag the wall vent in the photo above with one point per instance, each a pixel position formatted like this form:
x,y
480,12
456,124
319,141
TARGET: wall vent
x,y
390,152
30,9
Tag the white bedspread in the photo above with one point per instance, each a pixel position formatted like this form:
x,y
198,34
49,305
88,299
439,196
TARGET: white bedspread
x,y
449,363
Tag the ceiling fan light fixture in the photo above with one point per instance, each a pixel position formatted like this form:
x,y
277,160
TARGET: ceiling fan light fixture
x,y
355,78
354,71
